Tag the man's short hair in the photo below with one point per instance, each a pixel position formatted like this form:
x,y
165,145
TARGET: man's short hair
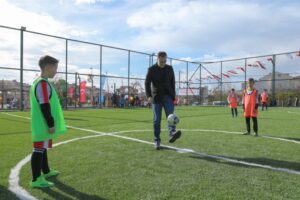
x,y
162,54
47,60
232,89
251,80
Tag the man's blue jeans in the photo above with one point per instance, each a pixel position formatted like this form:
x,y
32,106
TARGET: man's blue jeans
x,y
168,105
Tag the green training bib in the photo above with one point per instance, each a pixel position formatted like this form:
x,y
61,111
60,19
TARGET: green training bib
x,y
39,127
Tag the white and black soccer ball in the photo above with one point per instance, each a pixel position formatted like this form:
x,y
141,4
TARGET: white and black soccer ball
x,y
173,119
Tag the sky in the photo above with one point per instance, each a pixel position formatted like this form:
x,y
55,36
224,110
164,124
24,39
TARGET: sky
x,y
193,30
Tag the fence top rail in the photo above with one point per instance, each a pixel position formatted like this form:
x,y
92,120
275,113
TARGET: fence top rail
x,y
246,58
91,43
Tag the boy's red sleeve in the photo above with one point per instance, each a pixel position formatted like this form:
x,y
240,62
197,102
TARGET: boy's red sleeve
x,y
43,94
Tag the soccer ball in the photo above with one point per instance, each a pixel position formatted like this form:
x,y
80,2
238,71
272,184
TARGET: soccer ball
x,y
173,119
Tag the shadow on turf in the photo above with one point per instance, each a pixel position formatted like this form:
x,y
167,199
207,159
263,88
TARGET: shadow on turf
x,y
262,161
70,192
6,194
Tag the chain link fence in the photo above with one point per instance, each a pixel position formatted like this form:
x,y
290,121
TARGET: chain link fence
x,y
101,76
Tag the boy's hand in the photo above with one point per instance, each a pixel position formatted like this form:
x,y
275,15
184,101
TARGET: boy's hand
x,y
51,130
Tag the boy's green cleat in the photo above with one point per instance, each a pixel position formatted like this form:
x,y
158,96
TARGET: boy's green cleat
x,y
51,173
41,183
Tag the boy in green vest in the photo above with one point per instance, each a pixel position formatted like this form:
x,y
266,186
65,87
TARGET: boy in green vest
x,y
47,121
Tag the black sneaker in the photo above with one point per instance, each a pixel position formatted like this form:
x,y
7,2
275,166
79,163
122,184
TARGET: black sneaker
x,y
157,145
247,133
174,136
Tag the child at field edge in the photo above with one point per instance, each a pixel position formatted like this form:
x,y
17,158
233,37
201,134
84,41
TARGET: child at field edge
x,y
232,99
47,122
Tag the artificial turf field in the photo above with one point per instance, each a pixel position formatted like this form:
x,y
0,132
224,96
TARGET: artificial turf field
x,y
117,166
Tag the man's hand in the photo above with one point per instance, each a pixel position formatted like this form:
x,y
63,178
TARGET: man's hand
x,y
150,100
51,130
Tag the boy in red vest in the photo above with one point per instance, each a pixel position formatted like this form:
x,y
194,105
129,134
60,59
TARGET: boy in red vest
x,y
250,105
232,99
264,99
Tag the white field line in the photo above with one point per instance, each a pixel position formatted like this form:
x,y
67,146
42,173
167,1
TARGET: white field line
x,y
181,150
290,112
14,177
23,194
240,133
188,130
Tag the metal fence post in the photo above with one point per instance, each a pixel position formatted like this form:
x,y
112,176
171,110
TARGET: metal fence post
x,y
221,82
273,80
75,90
128,74
100,93
245,75
21,67
179,73
66,86
187,82
200,84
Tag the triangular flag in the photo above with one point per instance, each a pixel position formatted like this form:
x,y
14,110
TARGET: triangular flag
x,y
226,75
261,65
241,68
216,77
232,71
271,60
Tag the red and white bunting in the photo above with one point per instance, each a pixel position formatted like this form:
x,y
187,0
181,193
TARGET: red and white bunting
x,y
225,75
216,77
241,68
261,65
231,72
271,60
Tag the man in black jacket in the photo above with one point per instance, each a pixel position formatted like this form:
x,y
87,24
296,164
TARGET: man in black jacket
x,y
160,90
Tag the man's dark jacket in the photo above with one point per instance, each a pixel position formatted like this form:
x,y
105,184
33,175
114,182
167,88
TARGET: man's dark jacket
x,y
160,82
